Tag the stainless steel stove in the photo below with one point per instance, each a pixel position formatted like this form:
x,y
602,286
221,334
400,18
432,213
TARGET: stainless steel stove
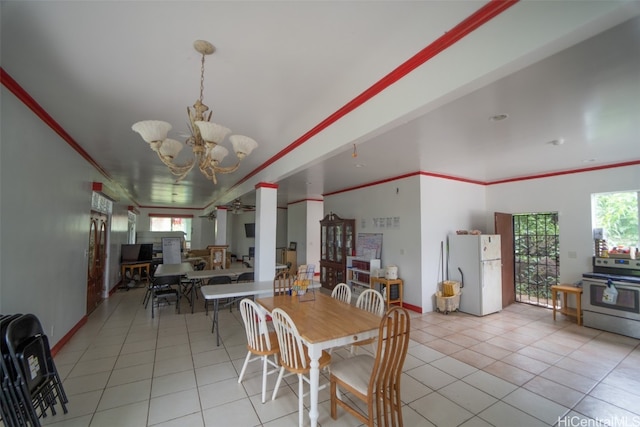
x,y
621,316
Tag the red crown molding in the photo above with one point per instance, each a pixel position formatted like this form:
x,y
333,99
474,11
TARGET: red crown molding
x,y
159,215
27,100
566,172
305,200
480,17
173,208
266,185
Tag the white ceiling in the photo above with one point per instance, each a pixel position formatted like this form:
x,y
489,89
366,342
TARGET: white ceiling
x,y
282,67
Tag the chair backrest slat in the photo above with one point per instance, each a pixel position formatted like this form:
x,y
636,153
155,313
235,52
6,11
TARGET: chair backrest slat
x,y
254,319
282,283
371,301
342,292
292,354
393,342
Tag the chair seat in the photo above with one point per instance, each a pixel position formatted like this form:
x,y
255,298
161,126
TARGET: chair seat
x,y
274,346
355,371
324,361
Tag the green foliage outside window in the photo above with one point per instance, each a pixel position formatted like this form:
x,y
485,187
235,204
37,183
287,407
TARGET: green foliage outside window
x,y
617,214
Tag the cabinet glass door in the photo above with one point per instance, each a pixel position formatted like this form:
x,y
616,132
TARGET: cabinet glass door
x,y
339,245
323,240
331,249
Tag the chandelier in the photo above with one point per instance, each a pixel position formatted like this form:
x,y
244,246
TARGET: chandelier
x,y
205,137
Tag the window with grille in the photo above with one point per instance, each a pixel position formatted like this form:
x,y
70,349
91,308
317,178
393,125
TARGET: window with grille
x,y
536,254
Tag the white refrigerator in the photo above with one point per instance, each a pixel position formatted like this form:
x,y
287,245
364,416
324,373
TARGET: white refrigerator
x,y
474,260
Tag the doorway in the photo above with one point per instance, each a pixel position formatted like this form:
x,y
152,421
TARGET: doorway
x,y
537,256
96,259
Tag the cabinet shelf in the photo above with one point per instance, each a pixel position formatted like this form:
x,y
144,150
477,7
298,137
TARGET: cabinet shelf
x,y
360,271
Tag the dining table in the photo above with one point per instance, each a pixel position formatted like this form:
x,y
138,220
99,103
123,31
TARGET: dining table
x,y
236,291
323,323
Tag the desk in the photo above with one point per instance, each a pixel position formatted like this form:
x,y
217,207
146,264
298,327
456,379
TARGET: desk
x,y
324,323
567,289
131,267
388,283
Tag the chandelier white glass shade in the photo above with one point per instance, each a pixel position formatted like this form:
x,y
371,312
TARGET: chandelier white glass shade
x,y
205,139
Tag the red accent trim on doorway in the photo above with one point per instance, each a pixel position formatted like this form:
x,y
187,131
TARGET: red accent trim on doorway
x,y
65,339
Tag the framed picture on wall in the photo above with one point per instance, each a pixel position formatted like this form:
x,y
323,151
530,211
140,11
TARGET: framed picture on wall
x,y
293,246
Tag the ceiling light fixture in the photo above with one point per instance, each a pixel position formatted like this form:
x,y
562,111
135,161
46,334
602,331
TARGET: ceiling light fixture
x,y
556,142
499,117
205,138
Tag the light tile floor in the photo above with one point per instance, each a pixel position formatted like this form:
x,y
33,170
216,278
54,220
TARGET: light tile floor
x,y
513,368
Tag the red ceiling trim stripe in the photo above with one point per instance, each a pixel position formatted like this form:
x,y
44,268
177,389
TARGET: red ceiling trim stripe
x,y
173,208
486,183
567,172
22,95
266,185
474,21
305,200
159,215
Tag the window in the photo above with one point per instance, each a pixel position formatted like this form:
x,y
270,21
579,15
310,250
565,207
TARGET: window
x,y
167,223
617,215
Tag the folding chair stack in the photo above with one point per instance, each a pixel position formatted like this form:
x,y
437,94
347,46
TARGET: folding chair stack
x,y
31,385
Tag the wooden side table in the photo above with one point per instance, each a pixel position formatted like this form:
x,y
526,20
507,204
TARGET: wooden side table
x,y
566,290
388,283
132,267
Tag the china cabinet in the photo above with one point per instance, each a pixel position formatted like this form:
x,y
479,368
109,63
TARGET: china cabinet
x,y
337,241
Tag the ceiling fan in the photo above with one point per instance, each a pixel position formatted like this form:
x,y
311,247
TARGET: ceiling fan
x,y
209,216
237,207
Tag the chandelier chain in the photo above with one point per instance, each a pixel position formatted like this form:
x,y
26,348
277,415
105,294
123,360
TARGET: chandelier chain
x,y
202,78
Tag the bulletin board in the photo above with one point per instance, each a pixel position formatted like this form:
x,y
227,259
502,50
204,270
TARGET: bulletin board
x,y
171,250
369,245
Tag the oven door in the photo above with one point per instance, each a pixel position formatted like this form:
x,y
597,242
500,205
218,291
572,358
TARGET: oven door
x,y
627,303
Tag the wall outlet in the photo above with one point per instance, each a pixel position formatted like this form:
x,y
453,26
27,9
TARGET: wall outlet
x,y
51,335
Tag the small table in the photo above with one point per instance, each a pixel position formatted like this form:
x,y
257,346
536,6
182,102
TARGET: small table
x,y
388,283
567,289
131,267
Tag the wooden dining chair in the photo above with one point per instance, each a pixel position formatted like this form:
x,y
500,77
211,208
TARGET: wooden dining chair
x,y
294,356
260,342
375,380
282,283
373,302
342,292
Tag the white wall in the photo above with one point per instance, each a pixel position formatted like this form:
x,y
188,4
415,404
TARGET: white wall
x,y
446,206
570,196
46,190
401,245
303,227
